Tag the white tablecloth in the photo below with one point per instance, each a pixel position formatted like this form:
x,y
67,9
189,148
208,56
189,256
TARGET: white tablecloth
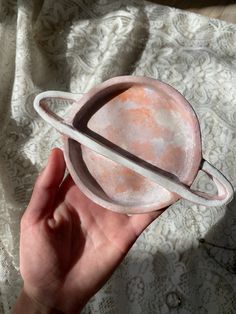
x,y
73,45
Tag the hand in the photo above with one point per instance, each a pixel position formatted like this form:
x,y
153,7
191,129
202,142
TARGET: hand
x,y
69,246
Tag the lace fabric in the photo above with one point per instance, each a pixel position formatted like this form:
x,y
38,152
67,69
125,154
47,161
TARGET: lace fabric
x,y
73,45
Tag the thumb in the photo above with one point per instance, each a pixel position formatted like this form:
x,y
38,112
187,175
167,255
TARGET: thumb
x,y
46,187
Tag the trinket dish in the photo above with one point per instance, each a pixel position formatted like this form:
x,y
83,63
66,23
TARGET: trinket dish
x,y
133,145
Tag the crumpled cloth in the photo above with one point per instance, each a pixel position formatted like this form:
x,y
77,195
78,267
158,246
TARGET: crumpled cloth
x,y
71,46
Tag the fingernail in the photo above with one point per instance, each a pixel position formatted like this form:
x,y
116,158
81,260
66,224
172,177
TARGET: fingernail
x,y
51,223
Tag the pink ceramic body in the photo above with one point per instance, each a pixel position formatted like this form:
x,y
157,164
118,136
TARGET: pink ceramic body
x,y
151,120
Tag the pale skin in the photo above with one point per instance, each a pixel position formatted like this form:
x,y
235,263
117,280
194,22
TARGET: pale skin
x,y
69,246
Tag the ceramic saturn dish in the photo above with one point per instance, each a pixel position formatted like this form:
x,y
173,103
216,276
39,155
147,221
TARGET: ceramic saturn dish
x,y
133,145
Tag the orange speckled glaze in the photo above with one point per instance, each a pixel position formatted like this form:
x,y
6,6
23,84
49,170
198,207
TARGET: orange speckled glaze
x,y
149,119
149,124
120,126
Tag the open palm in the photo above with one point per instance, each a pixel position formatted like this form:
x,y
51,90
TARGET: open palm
x,y
70,246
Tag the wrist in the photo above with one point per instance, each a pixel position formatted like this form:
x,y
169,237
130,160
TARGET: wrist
x,y
25,304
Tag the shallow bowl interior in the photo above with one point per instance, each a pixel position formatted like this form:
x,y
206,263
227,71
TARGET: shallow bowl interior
x,y
149,119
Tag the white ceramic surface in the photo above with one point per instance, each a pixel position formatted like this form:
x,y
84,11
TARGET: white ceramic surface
x,y
132,144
